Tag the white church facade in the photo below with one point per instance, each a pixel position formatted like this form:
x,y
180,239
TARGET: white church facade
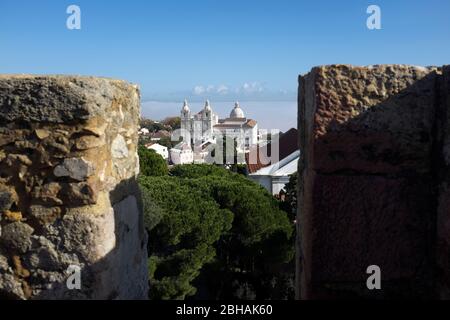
x,y
205,127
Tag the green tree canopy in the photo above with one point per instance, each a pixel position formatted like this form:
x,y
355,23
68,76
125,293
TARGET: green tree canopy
x,y
289,204
182,241
151,125
151,163
257,249
173,122
204,220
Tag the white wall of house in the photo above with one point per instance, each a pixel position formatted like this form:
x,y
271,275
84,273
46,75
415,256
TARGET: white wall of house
x,y
143,131
278,183
161,150
275,177
181,156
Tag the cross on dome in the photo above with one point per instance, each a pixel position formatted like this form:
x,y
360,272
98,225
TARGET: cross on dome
x,y
237,112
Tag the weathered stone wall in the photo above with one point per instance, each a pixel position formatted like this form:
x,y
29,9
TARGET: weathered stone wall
x,y
371,169
443,212
68,190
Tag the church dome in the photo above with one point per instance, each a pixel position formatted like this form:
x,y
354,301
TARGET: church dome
x,y
237,112
185,108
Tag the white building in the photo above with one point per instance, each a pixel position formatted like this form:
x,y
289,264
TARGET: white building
x,y
161,150
206,126
182,154
275,175
202,152
144,132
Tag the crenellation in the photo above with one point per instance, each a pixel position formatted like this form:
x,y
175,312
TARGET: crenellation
x,y
374,178
63,161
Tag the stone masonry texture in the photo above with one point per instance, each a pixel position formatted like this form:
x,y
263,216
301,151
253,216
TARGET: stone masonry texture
x,y
68,190
375,181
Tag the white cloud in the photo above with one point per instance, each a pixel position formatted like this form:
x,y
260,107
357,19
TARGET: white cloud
x,y
252,87
198,90
211,89
222,89
248,90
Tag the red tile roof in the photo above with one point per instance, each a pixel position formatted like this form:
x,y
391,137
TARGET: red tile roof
x,y
288,143
251,123
256,153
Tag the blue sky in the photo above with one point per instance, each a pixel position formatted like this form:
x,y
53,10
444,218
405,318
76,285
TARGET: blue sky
x,y
246,49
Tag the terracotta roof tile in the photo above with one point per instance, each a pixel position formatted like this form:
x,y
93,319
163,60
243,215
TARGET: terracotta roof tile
x,y
251,123
288,143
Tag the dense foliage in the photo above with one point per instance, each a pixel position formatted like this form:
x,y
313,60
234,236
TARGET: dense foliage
x,y
205,220
289,203
151,125
169,123
182,227
172,122
151,163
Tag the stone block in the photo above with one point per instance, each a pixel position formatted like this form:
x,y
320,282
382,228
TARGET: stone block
x,y
64,163
367,197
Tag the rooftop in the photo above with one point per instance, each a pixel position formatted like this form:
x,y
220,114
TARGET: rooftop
x,y
287,144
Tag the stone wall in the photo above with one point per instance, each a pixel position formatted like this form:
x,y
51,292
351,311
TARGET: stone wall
x,y
443,212
375,181
68,190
